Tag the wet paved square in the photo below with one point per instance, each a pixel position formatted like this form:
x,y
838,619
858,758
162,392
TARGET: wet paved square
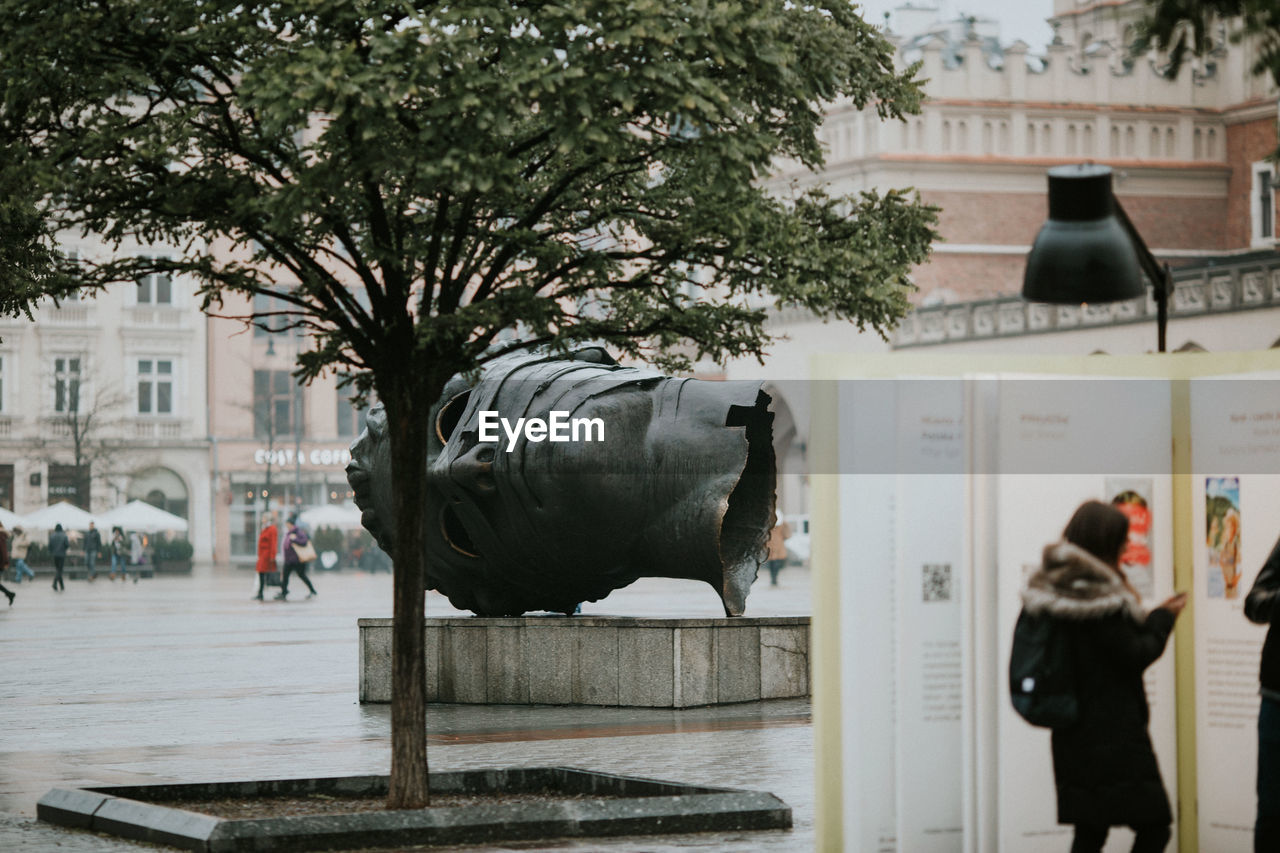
x,y
186,679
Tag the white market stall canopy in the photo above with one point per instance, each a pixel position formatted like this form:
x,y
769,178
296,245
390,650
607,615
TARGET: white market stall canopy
x,y
70,516
344,517
10,519
140,515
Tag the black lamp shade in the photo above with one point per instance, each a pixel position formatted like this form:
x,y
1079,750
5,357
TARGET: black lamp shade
x,y
1083,253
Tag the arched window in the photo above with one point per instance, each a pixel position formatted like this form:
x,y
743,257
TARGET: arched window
x,y
161,488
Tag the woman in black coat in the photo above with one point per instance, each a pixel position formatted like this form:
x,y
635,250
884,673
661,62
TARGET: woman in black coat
x,y
1104,767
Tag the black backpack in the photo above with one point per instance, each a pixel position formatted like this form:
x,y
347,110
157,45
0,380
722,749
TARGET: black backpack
x,y
1042,672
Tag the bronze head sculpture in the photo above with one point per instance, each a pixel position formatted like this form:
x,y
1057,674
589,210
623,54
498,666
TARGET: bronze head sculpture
x,y
649,476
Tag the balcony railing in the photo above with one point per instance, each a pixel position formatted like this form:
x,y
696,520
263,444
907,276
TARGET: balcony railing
x,y
66,314
162,430
165,316
1221,288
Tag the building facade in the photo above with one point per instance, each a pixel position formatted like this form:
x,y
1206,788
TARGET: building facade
x,y
274,443
103,400
1190,160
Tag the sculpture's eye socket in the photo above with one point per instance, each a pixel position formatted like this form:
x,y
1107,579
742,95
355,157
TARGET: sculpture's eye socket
x,y
455,534
449,416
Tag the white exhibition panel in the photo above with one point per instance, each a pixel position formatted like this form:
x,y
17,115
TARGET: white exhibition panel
x,y
903,523
931,585
1235,443
1046,429
867,518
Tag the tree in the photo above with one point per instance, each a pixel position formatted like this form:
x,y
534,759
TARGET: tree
x,y
427,176
1191,27
85,429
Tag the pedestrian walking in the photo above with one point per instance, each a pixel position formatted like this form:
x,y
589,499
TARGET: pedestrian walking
x,y
135,551
119,549
92,544
267,545
298,554
776,556
4,563
58,545
19,546
1104,767
1260,606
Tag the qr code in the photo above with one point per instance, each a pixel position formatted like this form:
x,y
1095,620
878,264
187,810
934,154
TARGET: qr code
x,y
937,582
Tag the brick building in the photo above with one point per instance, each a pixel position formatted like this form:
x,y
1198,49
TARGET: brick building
x,y
1189,158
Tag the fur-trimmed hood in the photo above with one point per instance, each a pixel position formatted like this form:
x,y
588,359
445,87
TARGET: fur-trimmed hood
x,y
1073,584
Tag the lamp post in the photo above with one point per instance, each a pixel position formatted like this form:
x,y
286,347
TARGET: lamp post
x,y
1089,251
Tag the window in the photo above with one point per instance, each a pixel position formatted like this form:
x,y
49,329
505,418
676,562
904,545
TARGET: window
x,y
277,403
66,385
351,419
155,289
155,386
69,483
1262,206
264,306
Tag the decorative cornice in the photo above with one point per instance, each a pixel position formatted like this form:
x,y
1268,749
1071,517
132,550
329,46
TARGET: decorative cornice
x,y
1217,288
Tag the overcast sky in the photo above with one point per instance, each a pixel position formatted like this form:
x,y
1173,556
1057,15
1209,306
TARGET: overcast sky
x,y
1019,19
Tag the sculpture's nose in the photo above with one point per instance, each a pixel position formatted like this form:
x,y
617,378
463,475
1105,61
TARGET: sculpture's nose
x,y
471,471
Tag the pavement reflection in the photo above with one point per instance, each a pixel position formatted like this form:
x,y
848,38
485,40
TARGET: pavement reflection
x,y
187,679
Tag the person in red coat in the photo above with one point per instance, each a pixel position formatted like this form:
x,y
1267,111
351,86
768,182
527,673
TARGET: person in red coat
x,y
268,545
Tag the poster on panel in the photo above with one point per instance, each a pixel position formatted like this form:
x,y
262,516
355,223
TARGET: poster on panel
x,y
1235,460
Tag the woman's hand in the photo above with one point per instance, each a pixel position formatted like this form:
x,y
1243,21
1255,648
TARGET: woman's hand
x,y
1174,604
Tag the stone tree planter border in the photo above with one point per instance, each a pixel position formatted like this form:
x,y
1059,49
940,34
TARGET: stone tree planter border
x,y
624,805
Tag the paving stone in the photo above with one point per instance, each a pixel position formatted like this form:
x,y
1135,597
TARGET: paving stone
x,y
181,679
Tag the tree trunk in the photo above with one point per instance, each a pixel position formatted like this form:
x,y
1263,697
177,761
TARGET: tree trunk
x,y
407,422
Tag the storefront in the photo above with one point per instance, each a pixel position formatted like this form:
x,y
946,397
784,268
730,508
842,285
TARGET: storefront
x,y
253,477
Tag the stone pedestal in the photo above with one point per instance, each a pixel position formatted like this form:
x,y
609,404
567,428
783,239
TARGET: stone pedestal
x,y
599,660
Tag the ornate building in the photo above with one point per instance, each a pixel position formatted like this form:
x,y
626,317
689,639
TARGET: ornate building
x,y
104,400
1189,154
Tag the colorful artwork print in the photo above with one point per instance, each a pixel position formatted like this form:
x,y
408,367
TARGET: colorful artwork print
x,y
1222,535
1133,497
